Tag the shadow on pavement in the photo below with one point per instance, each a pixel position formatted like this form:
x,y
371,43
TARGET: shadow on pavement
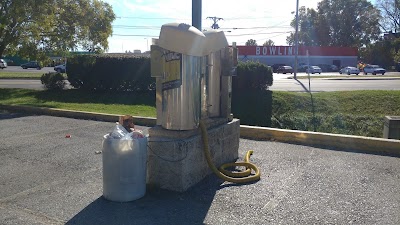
x,y
156,207
304,87
4,115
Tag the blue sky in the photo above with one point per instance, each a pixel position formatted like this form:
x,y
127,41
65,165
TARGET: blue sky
x,y
138,21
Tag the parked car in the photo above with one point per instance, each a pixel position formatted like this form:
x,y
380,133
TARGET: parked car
x,y
349,70
276,66
334,68
285,69
32,64
314,69
3,64
60,68
302,68
374,69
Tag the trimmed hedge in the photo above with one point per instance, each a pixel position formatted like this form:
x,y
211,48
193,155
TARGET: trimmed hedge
x,y
110,72
252,75
251,99
53,81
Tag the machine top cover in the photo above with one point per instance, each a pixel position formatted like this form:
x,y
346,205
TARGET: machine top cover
x,y
215,40
182,38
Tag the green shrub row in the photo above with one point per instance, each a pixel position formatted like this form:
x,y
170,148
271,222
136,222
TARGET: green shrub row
x,y
107,72
53,81
252,75
251,101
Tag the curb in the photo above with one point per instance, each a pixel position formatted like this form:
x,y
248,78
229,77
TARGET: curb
x,y
143,121
364,78
308,138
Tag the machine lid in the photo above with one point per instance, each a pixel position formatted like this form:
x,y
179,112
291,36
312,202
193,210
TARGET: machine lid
x,y
215,40
182,38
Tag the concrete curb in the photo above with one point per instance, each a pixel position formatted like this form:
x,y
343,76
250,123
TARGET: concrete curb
x,y
364,78
144,121
337,141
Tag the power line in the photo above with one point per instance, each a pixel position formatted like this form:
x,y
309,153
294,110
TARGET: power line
x,y
134,35
285,32
215,19
148,18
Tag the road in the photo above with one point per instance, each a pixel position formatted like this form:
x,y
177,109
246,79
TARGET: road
x,y
281,82
317,85
30,70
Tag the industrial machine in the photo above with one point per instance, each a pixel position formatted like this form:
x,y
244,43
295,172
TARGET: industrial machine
x,y
193,73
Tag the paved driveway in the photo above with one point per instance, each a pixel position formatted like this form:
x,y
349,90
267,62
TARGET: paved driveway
x,y
46,178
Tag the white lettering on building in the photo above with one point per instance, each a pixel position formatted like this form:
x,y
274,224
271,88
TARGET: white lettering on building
x,y
272,50
290,51
264,50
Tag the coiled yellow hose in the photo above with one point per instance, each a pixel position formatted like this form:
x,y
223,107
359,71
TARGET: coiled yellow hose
x,y
234,177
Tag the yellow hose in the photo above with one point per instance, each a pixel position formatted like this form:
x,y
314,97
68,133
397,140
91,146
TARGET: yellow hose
x,y
234,177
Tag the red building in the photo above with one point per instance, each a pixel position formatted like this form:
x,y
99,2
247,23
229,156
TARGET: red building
x,y
269,55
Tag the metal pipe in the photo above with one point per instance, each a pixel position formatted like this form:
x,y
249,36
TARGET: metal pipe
x,y
196,14
296,40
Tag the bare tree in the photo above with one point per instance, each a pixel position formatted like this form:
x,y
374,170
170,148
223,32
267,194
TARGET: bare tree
x,y
269,42
251,42
390,12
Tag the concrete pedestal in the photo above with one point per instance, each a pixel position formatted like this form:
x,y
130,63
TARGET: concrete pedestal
x,y
176,159
391,128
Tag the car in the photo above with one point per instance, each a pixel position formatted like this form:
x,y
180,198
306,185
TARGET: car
x,y
60,68
284,69
32,64
314,69
3,63
334,68
374,69
349,70
302,68
276,66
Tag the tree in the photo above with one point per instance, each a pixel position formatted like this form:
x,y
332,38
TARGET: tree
x,y
307,28
390,12
251,42
350,23
269,42
32,28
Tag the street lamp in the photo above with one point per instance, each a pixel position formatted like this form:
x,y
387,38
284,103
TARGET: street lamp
x,y
296,40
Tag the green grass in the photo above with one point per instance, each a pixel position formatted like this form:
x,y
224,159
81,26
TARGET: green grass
x,y
348,112
20,75
113,103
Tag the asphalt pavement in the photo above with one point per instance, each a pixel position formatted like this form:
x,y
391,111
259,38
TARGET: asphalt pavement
x,y
46,178
19,69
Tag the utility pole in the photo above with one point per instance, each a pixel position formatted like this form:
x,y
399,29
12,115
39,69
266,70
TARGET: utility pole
x,y
296,40
196,13
215,19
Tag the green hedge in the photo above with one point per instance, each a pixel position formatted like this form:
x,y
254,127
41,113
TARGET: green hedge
x,y
107,72
53,81
252,75
251,101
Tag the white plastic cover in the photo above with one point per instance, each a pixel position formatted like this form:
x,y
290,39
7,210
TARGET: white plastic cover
x,y
215,41
182,38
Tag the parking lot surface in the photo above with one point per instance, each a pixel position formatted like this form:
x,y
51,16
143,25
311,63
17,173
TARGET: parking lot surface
x,y
47,178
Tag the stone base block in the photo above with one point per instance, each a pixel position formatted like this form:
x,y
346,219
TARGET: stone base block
x,y
179,163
